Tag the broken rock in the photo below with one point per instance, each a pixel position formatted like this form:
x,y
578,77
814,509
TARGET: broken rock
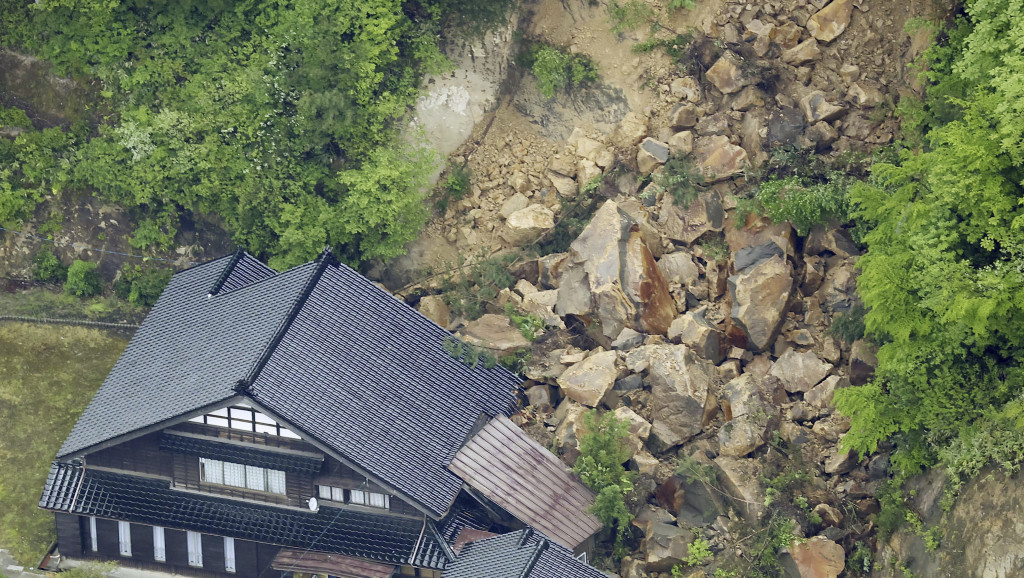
x,y
727,73
679,389
816,108
806,51
817,557
611,275
525,225
652,154
494,332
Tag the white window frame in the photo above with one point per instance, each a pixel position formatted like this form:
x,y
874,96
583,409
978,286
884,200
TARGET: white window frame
x,y
229,554
195,549
241,476
159,544
124,539
370,499
93,542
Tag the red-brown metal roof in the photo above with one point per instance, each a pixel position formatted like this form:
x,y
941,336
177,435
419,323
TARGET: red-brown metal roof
x,y
289,560
515,472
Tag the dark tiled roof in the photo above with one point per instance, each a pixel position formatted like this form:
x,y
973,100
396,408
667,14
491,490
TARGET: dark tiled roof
x,y
323,348
510,555
190,351
351,532
240,454
528,481
522,554
558,562
364,373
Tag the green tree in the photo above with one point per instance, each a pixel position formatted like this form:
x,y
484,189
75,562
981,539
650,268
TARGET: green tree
x,y
83,279
603,451
943,277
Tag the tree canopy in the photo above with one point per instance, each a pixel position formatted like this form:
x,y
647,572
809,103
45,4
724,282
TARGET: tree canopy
x,y
280,117
943,276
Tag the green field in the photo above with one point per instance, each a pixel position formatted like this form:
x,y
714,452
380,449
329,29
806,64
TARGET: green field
x,y
48,374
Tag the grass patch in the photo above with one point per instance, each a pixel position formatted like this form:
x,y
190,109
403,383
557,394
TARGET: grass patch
x,y
48,374
41,302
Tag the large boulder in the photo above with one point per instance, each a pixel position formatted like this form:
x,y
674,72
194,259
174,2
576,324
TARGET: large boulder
x,y
749,404
611,277
817,557
435,309
588,381
719,159
679,268
494,332
690,223
816,107
799,372
831,21
759,297
680,381
652,154
667,545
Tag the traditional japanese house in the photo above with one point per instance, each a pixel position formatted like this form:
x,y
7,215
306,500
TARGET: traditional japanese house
x,y
263,424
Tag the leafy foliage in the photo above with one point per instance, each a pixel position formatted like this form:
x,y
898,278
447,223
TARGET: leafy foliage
x,y
557,69
602,453
47,268
529,324
629,15
141,286
32,165
944,271
802,203
279,117
83,279
454,186
470,288
848,326
469,354
679,178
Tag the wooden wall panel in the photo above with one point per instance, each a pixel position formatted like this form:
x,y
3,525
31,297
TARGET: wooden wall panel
x,y
142,543
246,563
213,553
177,547
69,534
138,455
106,536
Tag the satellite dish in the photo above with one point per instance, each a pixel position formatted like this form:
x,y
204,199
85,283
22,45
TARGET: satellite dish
x,y
313,505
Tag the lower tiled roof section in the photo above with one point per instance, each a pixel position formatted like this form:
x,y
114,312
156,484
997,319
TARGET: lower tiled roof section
x,y
521,554
511,555
240,454
381,537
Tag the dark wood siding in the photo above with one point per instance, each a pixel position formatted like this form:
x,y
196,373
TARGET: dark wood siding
x,y
248,437
106,537
138,455
246,563
265,555
177,547
69,534
142,542
337,474
213,553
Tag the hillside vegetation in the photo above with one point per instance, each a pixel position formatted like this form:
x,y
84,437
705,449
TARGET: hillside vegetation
x,y
943,276
279,117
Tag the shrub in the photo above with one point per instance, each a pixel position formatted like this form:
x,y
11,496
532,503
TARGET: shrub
x,y
141,286
629,15
454,187
471,288
529,324
679,179
83,279
848,326
48,268
557,69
